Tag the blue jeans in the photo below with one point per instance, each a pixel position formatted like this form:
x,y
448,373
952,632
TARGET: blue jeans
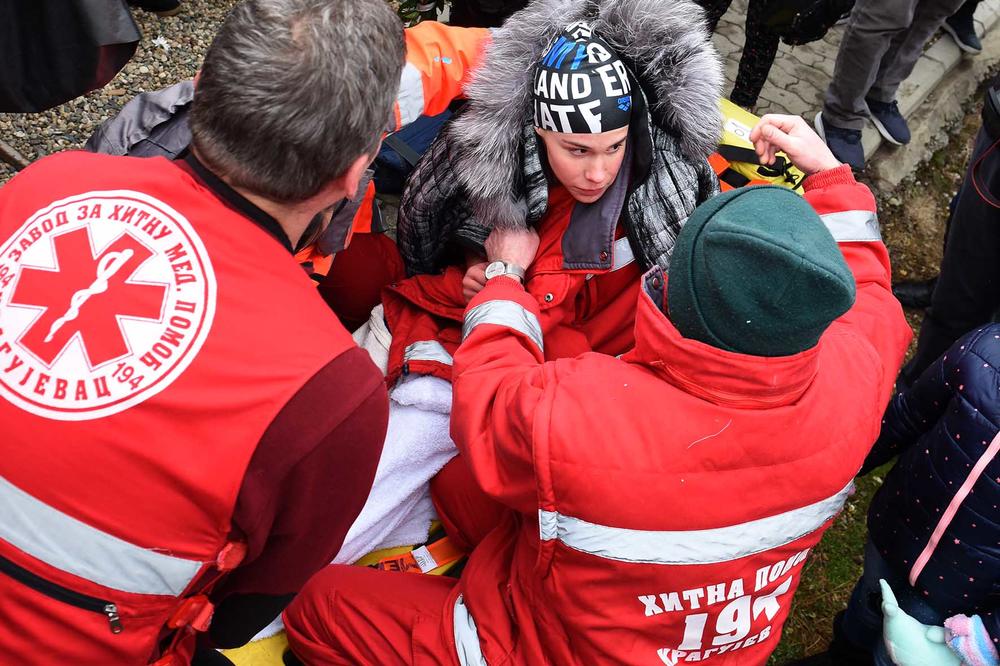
x,y
861,624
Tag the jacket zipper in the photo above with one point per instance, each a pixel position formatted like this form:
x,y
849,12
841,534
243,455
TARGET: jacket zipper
x,y
587,299
65,595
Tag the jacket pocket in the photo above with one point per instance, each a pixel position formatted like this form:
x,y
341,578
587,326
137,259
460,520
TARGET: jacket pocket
x,y
63,594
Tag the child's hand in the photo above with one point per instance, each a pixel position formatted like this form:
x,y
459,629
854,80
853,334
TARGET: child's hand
x,y
474,280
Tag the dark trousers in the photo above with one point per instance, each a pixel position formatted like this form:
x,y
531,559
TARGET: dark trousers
x,y
882,43
758,51
967,293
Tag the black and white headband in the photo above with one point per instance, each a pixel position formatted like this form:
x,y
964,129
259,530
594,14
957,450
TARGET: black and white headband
x,y
580,85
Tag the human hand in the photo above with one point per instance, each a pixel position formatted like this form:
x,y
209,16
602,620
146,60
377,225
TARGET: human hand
x,y
793,136
474,280
514,246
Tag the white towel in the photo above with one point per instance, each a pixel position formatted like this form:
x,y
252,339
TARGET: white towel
x,y
399,510
417,445
374,338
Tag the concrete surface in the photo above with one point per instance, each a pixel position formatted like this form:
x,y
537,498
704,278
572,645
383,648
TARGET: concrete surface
x,y
932,97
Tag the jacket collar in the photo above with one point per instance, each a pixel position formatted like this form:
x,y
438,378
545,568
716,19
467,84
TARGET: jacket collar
x,y
235,200
587,243
715,375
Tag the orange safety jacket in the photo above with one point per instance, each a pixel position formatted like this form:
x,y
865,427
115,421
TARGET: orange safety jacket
x,y
665,502
141,362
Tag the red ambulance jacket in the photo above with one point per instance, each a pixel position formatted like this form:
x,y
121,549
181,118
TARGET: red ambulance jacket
x,y
142,360
584,280
665,501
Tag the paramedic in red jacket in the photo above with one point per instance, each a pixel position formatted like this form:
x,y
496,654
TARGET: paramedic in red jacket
x,y
439,61
186,426
664,502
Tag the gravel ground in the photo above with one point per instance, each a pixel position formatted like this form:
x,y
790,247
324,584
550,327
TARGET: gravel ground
x,y
170,50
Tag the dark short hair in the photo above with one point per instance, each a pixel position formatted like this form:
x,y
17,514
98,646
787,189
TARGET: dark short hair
x,y
292,92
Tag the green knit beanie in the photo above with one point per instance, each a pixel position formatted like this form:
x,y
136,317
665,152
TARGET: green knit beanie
x,y
755,271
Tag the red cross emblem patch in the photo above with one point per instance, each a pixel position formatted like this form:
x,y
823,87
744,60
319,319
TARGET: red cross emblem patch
x,y
105,299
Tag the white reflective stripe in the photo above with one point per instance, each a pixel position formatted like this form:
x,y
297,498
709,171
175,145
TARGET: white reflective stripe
x,y
70,545
548,525
427,350
623,255
470,652
853,225
411,95
504,313
720,544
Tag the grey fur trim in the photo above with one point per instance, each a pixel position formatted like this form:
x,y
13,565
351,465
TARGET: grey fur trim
x,y
664,42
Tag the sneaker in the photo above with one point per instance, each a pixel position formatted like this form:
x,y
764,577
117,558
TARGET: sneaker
x,y
963,31
889,122
845,144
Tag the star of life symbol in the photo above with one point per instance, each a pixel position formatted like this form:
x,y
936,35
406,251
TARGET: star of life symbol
x,y
105,299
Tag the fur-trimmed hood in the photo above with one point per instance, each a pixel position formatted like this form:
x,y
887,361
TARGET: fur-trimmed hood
x,y
664,43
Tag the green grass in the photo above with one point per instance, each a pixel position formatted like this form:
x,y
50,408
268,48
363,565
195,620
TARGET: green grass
x,y
828,577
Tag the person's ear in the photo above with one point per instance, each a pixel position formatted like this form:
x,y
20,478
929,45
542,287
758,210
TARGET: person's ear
x,y
351,179
344,186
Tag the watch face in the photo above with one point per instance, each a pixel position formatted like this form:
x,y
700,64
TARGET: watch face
x,y
495,269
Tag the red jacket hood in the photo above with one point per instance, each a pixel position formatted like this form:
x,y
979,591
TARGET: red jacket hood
x,y
710,373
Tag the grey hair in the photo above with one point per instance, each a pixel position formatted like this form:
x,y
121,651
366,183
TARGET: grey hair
x,y
292,92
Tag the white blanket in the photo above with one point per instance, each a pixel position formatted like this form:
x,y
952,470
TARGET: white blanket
x,y
417,445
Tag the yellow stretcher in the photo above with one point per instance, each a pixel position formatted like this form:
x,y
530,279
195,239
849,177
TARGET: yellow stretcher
x,y
735,161
269,651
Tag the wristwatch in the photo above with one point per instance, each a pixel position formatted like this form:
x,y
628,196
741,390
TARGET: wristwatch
x,y
498,268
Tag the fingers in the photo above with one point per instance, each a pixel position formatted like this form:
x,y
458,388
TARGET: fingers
x,y
477,273
767,120
785,123
764,147
772,153
763,136
774,139
471,287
